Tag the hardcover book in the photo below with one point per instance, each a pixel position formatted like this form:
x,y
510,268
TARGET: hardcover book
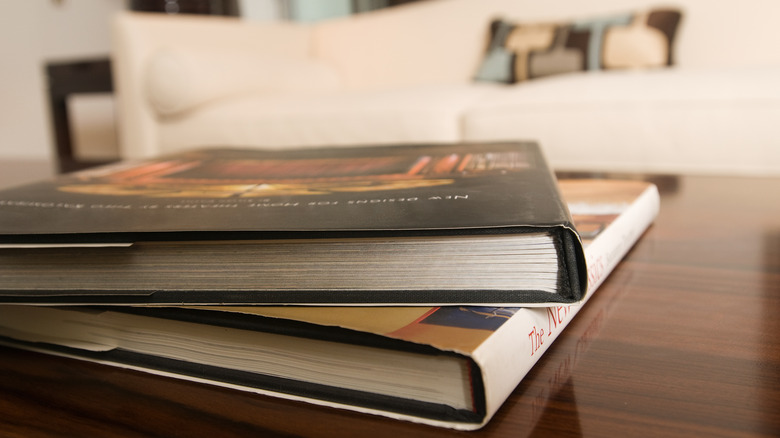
x,y
448,366
446,224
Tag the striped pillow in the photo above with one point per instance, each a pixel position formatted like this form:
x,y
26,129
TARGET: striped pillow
x,y
522,51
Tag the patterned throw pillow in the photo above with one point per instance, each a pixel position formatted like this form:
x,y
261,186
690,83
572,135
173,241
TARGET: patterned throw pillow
x,y
520,51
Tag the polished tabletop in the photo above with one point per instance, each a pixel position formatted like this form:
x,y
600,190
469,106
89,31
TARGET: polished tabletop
x,y
683,339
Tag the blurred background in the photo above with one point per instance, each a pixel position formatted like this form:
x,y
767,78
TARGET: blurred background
x,y
38,34
703,99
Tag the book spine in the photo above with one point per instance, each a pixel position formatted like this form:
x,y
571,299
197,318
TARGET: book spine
x,y
507,356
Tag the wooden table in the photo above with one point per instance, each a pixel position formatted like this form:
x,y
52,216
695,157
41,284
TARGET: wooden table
x,y
682,340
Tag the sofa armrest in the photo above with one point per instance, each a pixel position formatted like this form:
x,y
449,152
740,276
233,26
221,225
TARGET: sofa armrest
x,y
138,37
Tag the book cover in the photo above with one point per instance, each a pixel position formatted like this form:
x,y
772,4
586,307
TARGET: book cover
x,y
444,224
449,366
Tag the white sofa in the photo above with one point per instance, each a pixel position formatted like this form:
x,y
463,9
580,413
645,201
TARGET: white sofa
x,y
406,75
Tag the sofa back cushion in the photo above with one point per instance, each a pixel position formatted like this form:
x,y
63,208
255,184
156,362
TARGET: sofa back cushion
x,y
430,42
181,79
443,41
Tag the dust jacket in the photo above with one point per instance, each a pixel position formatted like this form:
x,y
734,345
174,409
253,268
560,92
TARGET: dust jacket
x,y
401,225
447,366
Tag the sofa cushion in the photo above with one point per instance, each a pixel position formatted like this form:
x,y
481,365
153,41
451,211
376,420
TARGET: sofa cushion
x,y
178,80
686,120
522,51
422,114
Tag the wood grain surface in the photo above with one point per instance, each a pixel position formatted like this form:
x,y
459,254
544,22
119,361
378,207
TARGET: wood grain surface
x,y
683,339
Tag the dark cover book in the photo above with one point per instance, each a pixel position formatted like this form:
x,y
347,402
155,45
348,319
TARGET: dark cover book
x,y
379,225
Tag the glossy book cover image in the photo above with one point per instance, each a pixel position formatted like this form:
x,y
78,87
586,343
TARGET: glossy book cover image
x,y
268,192
444,224
449,366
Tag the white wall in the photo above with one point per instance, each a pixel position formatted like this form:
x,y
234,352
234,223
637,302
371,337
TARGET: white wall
x,y
308,10
261,10
31,33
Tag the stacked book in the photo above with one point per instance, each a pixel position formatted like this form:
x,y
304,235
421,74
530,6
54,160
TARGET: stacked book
x,y
415,282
